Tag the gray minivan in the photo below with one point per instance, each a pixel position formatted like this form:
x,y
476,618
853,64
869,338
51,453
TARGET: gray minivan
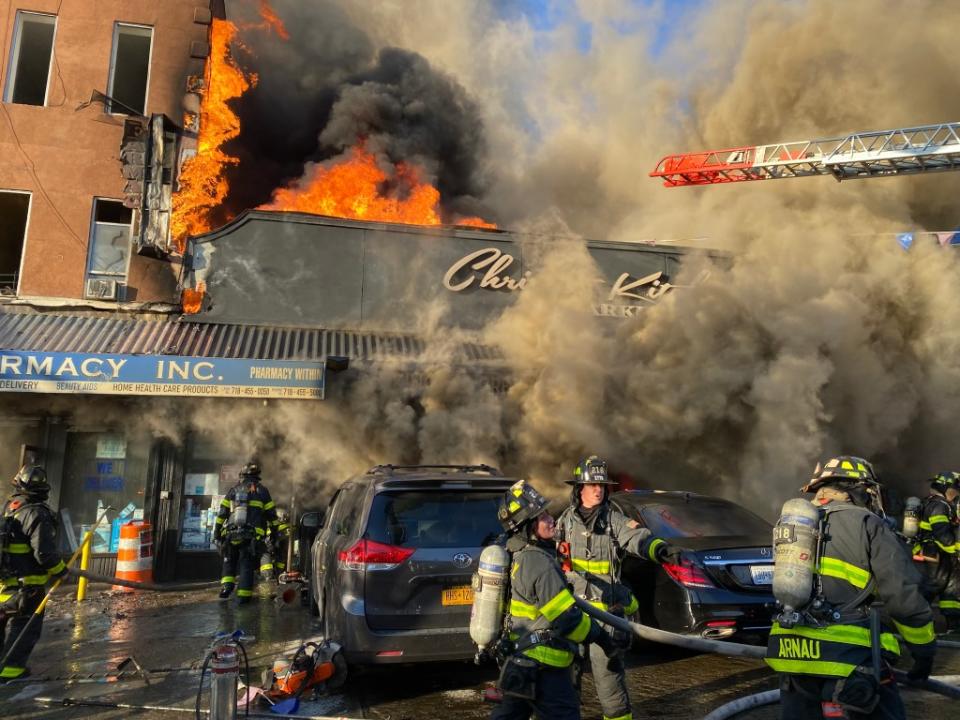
x,y
391,567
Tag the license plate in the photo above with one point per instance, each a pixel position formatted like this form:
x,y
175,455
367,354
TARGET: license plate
x,y
762,574
459,595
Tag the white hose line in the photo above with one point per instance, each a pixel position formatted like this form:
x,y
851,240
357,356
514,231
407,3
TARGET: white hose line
x,y
771,697
669,638
735,707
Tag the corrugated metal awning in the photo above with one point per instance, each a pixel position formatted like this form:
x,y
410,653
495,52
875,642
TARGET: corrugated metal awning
x,y
48,332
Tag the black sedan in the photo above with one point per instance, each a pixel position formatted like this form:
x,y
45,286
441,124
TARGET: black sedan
x,y
723,587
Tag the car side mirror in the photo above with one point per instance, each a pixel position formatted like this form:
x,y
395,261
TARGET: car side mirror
x,y
311,520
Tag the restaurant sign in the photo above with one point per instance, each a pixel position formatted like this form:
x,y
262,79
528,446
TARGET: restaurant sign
x,y
170,375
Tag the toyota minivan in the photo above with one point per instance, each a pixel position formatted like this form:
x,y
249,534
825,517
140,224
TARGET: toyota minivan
x,y
391,567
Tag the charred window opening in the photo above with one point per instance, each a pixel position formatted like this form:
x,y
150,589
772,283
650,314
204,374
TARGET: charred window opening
x,y
109,248
30,59
14,208
129,68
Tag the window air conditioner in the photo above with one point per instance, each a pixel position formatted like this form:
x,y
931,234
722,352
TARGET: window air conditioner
x,y
100,289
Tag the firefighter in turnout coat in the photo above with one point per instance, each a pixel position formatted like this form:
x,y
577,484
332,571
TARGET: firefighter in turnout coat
x,y
29,560
591,535
246,514
936,547
273,561
544,627
824,652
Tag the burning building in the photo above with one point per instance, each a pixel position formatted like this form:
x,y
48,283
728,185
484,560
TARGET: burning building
x,y
155,261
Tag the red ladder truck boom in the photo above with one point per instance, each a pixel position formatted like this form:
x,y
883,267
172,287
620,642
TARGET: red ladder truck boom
x,y
904,151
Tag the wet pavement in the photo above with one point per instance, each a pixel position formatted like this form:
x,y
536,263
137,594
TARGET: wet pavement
x,y
169,635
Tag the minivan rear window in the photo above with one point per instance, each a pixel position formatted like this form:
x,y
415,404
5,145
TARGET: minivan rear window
x,y
434,519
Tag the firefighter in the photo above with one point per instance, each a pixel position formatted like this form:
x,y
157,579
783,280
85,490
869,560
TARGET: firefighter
x,y
273,562
592,535
936,547
544,627
824,651
246,514
28,559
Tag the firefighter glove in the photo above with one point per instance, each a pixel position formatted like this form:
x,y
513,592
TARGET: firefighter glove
x,y
922,667
669,554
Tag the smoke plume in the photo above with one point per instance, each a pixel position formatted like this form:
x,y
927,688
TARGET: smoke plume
x,y
822,336
327,88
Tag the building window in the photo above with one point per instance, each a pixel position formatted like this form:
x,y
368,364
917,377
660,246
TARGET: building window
x,y
30,59
109,249
14,209
129,69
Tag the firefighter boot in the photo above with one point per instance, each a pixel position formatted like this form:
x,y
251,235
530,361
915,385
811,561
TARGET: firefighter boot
x,y
225,590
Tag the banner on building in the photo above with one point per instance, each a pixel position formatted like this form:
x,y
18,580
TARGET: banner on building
x,y
170,375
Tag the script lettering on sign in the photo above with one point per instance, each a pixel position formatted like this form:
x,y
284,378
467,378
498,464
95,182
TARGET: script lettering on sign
x,y
649,288
485,269
489,265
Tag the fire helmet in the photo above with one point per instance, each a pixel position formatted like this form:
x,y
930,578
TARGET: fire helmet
x,y
32,479
591,471
520,504
944,481
250,471
852,475
843,469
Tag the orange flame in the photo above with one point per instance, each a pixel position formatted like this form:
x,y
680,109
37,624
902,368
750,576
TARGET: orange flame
x,y
191,300
202,185
271,20
352,188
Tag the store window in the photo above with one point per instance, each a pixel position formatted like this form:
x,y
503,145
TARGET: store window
x,y
102,469
211,472
30,59
129,69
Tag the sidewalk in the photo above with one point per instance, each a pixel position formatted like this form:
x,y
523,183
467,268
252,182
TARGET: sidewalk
x,y
168,634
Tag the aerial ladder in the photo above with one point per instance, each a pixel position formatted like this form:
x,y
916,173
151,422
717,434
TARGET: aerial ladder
x,y
904,151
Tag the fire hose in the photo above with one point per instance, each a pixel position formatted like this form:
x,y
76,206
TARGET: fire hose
x,y
770,697
152,587
733,649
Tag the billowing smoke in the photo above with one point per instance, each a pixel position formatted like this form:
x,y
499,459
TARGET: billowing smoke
x,y
327,88
824,336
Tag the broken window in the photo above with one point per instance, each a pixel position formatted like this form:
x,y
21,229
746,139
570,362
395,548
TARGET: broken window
x,y
109,248
129,69
14,208
30,58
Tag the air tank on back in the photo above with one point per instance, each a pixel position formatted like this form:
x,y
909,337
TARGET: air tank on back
x,y
490,584
911,517
794,557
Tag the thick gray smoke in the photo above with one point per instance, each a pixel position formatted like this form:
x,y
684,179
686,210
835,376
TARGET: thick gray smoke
x,y
823,337
327,88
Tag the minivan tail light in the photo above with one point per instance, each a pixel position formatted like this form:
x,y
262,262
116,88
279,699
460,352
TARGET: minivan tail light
x,y
688,575
370,555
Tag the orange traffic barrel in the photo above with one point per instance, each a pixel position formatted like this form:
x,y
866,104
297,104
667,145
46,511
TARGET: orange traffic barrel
x,y
135,554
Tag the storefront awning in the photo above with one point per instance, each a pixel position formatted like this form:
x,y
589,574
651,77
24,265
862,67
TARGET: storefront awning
x,y
58,353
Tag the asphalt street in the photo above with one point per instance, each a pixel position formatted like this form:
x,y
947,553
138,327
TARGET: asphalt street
x,y
169,634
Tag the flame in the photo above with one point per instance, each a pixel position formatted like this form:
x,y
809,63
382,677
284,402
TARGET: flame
x,y
202,184
354,188
191,300
271,20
